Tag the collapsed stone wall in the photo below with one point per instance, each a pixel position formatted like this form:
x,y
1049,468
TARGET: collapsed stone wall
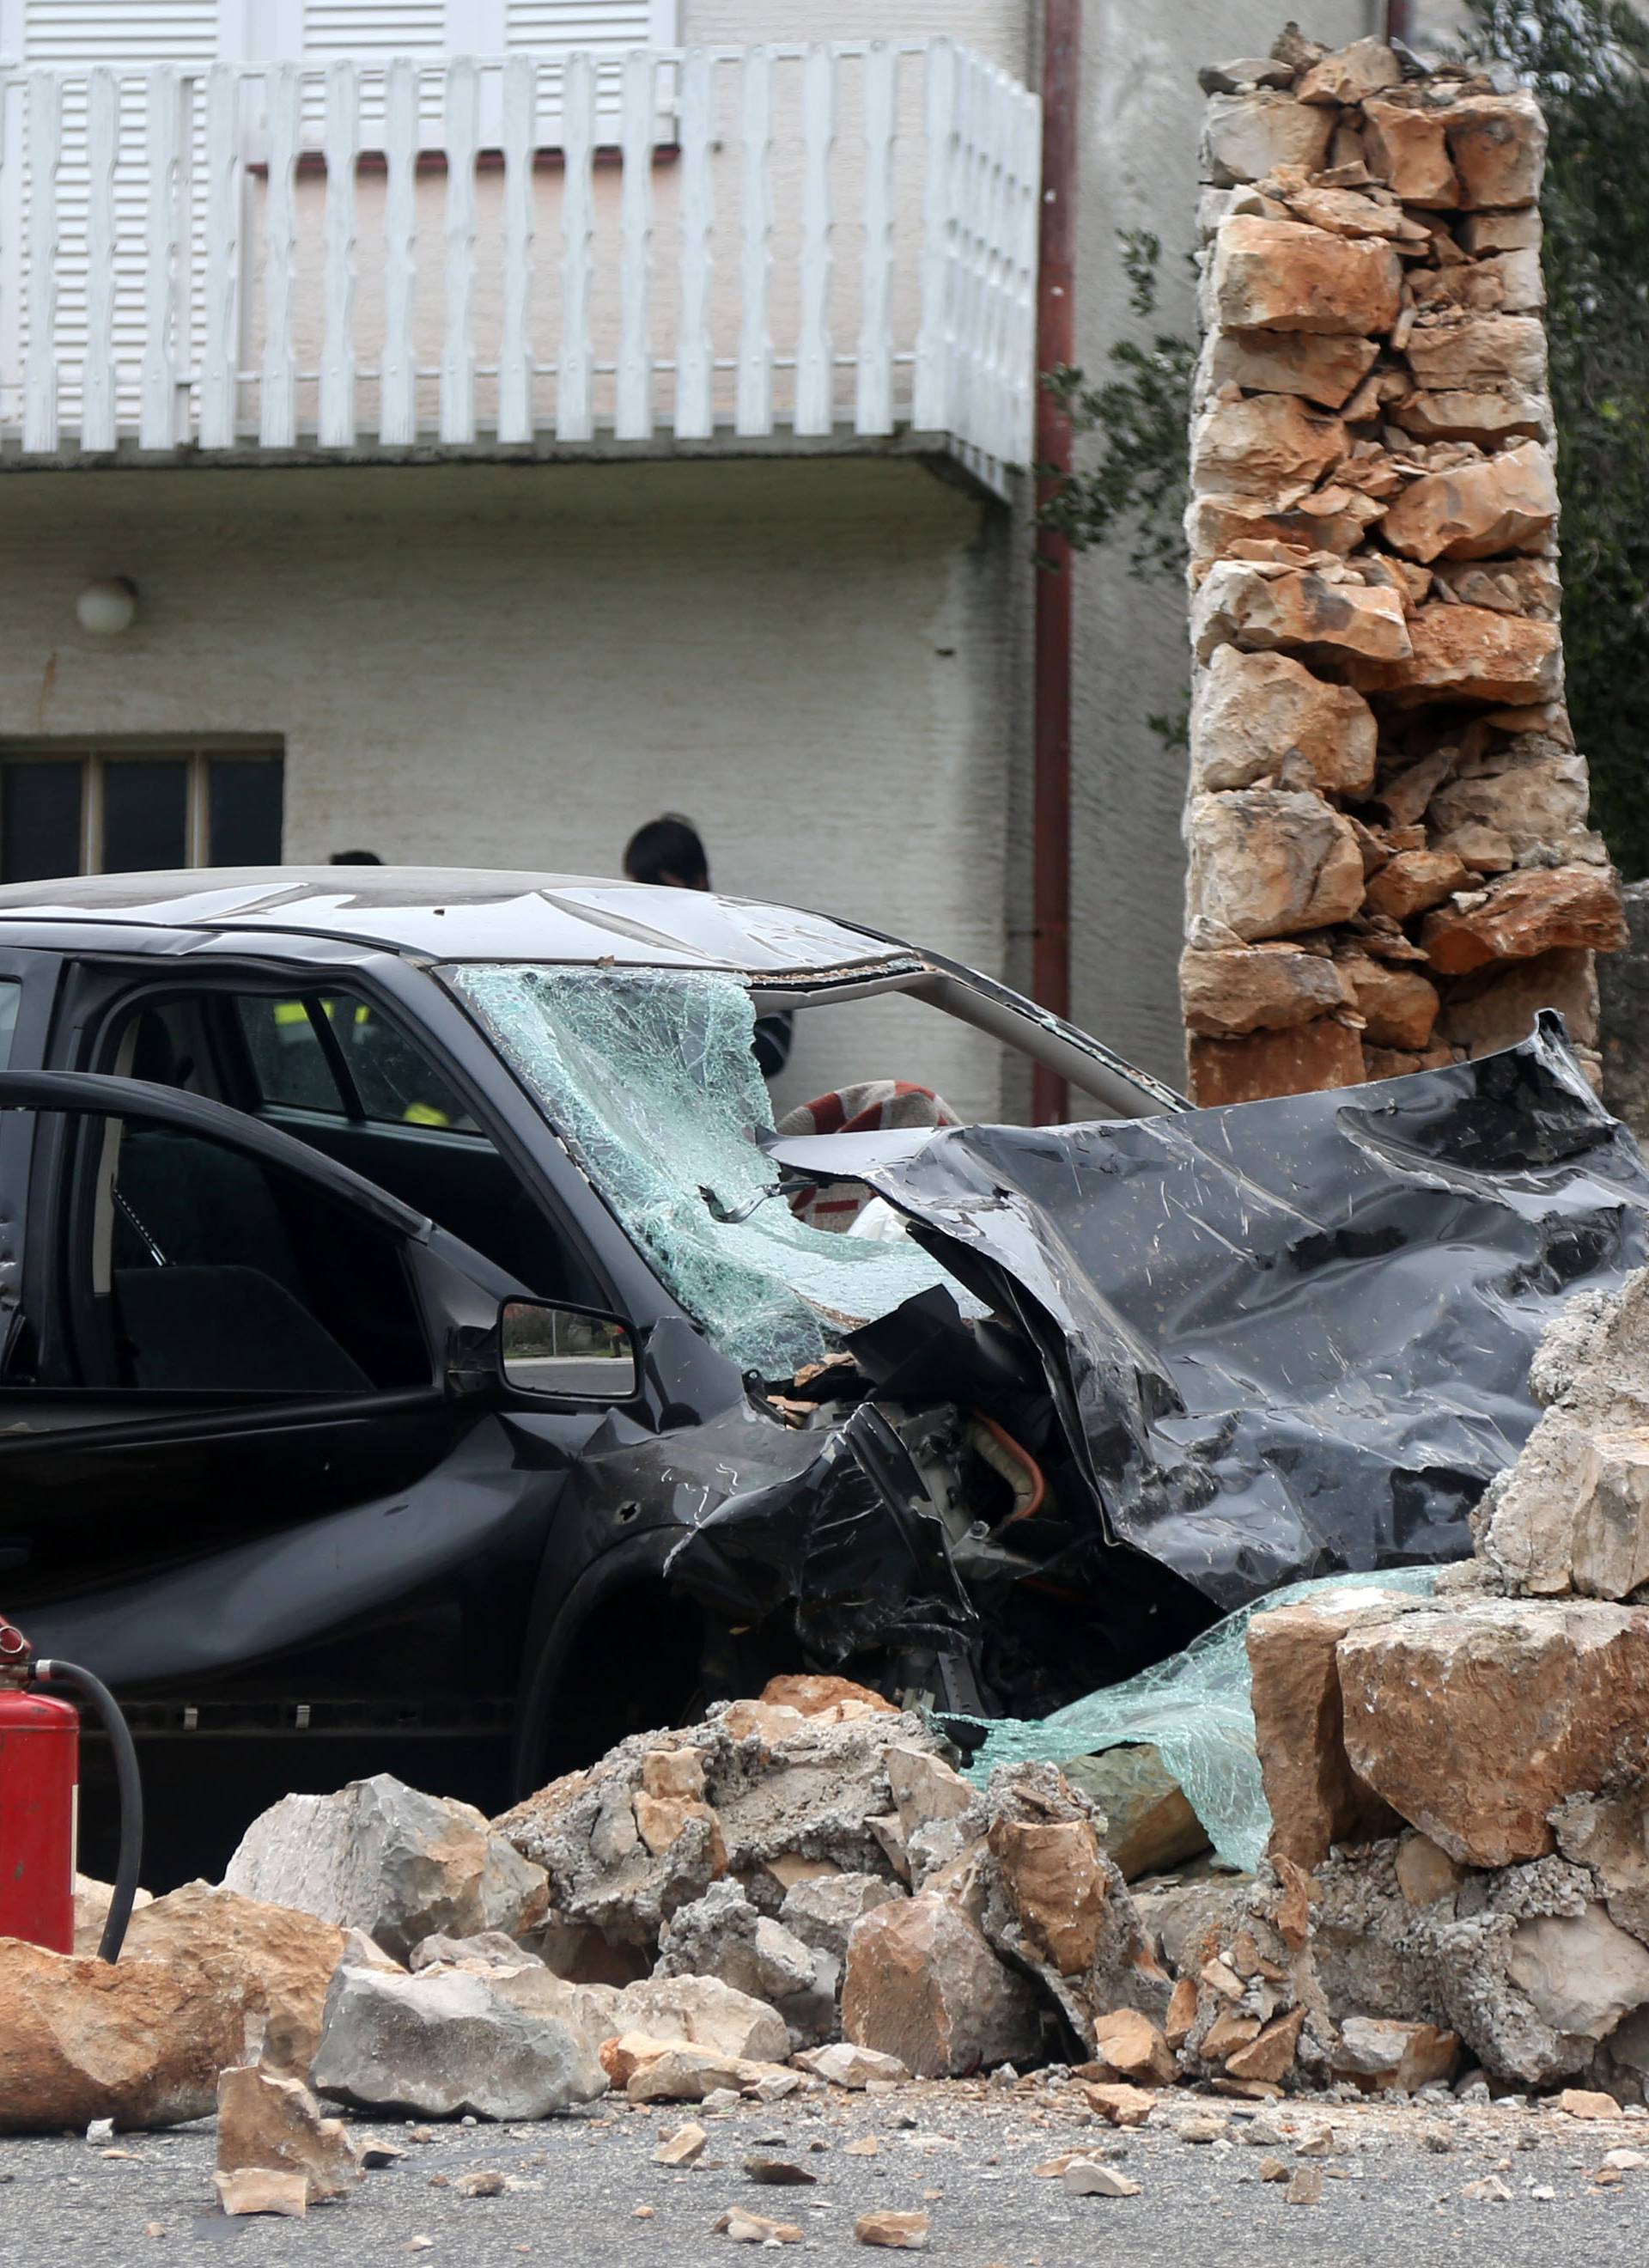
x,y
1390,866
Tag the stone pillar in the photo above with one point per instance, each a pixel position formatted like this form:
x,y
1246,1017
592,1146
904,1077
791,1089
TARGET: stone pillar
x,y
1390,865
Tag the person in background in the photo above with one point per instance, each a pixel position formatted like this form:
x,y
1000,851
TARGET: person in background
x,y
669,853
354,858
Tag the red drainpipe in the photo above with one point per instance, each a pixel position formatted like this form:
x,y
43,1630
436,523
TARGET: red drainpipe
x,y
1400,20
1055,343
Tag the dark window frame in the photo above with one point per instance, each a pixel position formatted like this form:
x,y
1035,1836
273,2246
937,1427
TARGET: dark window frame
x,y
93,754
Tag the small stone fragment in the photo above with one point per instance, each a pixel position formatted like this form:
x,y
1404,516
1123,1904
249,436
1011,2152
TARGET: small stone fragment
x,y
1305,2186
1087,2177
482,2181
894,2231
844,2065
684,2148
259,2189
750,2228
1583,2103
778,2174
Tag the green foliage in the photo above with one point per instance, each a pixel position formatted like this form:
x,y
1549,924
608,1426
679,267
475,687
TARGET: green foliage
x,y
1587,61
1135,487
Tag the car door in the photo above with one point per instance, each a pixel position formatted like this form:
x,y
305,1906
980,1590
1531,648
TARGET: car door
x,y
266,1487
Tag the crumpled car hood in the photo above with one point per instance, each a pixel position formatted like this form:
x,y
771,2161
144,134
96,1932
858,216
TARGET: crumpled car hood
x,y
1292,1337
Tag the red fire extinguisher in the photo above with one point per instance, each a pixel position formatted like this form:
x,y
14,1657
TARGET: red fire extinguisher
x,y
40,1776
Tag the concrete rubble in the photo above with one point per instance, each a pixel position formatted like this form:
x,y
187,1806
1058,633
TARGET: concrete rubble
x,y
1390,865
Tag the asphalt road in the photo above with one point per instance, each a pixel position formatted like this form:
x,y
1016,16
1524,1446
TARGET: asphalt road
x,y
966,2155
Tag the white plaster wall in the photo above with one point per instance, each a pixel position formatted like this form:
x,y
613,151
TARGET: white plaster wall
x,y
513,667
1141,114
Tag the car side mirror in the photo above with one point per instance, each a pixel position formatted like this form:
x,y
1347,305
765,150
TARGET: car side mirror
x,y
565,1353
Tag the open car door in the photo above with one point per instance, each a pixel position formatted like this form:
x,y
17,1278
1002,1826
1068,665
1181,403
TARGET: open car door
x,y
256,1464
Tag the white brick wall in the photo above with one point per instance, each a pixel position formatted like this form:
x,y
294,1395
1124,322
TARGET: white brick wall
x,y
513,667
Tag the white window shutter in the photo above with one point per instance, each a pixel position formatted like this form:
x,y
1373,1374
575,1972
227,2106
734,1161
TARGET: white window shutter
x,y
551,28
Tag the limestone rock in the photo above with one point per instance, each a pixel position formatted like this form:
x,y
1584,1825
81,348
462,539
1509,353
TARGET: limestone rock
x,y
1425,1872
1406,148
1244,137
1149,1826
379,1856
1335,518
1258,987
270,2125
1269,862
1531,790
722,1934
278,1960
518,2045
1609,1831
1261,605
1262,445
1385,2053
1474,1725
136,2040
1304,1060
93,1899
1054,1904
816,1695
489,1949
1582,1973
701,2011
1498,142
1499,231
1487,416
688,2074
1522,914
1350,74
1505,503
925,1788
784,1787
1470,653
1497,1007
1413,882
1253,712
1398,1006
923,1985
846,2063
821,1912
1315,1797
1323,367
1132,2048
252,2189
1478,353
1284,276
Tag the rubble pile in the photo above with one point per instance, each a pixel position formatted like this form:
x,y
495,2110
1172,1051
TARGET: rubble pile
x,y
803,1889
1390,866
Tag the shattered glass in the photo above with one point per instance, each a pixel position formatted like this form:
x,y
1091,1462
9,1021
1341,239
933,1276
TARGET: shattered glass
x,y
1196,1709
649,1075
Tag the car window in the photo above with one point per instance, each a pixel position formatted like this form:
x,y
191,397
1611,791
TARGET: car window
x,y
11,993
392,1078
204,1269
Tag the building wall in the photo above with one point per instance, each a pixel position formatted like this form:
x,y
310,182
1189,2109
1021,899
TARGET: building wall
x,y
1141,110
514,666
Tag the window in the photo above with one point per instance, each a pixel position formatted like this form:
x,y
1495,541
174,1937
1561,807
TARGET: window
x,y
74,810
10,994
391,1079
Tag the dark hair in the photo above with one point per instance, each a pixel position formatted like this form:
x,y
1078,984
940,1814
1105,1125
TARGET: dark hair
x,y
356,859
667,846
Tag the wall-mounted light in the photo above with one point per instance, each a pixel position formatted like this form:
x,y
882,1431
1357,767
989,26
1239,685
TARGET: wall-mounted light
x,y
105,607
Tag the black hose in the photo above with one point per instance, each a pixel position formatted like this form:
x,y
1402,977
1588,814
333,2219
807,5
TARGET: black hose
x,y
131,1794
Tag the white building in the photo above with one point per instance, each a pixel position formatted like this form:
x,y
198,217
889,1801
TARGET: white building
x,y
517,417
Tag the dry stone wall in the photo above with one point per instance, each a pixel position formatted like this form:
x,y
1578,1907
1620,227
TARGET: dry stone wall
x,y
1390,866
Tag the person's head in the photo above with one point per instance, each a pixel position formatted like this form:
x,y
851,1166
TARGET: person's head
x,y
356,859
667,851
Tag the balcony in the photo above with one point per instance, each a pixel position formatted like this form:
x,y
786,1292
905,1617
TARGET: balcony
x,y
699,250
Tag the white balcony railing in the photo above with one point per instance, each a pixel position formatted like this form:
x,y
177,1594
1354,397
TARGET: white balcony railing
x,y
691,244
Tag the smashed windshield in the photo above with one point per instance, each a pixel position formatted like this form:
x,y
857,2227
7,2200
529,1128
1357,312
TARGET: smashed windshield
x,y
649,1074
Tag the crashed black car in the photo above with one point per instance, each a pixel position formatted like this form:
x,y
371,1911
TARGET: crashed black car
x,y
421,1352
